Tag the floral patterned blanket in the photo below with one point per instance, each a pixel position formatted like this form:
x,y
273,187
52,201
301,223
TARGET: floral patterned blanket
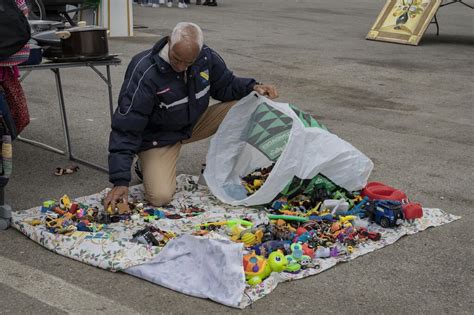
x,y
111,248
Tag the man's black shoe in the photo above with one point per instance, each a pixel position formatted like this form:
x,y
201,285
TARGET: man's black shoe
x,y
138,171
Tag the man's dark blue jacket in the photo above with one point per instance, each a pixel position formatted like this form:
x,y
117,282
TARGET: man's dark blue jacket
x,y
158,107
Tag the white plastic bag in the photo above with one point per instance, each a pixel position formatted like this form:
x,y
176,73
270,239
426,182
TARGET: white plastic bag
x,y
257,132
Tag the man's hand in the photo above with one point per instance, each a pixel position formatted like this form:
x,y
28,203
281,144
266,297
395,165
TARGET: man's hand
x,y
269,91
118,193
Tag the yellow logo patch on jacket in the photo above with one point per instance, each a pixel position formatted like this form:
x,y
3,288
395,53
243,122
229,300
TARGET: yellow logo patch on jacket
x,y
204,75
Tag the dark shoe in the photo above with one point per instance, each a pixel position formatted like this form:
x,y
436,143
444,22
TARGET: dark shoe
x,y
198,2
206,2
5,216
212,4
138,171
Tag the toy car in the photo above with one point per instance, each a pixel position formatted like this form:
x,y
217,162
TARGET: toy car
x,y
386,213
374,236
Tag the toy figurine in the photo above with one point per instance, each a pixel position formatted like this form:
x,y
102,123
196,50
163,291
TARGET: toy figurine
x,y
34,222
228,223
364,233
308,250
68,230
122,208
249,237
48,205
258,268
83,226
65,202
53,223
297,255
145,236
306,263
73,208
323,252
265,249
58,210
280,204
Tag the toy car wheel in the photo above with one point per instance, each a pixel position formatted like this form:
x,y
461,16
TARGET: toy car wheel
x,y
384,222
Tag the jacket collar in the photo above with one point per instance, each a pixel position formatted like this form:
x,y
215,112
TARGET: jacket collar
x,y
163,66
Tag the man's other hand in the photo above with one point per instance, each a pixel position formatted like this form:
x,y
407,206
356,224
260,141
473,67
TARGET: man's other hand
x,y
269,91
117,194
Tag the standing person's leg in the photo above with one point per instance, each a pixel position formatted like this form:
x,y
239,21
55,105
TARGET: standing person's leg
x,y
210,121
159,173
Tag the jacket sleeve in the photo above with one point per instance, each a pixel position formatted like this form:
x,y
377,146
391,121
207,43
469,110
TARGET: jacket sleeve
x,y
135,105
225,86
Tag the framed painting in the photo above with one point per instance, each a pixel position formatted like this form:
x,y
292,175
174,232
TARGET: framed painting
x,y
403,21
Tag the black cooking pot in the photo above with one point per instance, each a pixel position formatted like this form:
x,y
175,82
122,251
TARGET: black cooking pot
x,y
84,41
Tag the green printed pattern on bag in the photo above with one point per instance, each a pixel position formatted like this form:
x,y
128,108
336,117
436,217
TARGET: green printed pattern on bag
x,y
307,120
299,186
269,131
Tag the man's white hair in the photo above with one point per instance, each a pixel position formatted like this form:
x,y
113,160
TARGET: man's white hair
x,y
187,31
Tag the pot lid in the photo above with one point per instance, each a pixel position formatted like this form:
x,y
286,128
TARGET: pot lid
x,y
46,36
86,28
45,22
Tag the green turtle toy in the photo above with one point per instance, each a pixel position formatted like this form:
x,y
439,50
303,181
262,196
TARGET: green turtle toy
x,y
257,268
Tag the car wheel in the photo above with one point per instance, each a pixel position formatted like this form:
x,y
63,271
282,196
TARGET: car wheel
x,y
384,222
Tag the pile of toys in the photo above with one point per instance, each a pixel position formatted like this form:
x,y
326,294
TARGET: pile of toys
x,y
152,235
66,217
306,227
291,243
303,227
253,181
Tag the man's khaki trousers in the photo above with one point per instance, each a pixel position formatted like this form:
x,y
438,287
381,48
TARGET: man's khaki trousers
x,y
159,165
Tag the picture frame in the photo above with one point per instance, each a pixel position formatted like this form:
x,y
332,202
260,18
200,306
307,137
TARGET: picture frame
x,y
403,21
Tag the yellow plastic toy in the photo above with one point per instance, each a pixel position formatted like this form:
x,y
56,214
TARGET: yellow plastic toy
x,y
246,236
65,202
250,239
347,218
